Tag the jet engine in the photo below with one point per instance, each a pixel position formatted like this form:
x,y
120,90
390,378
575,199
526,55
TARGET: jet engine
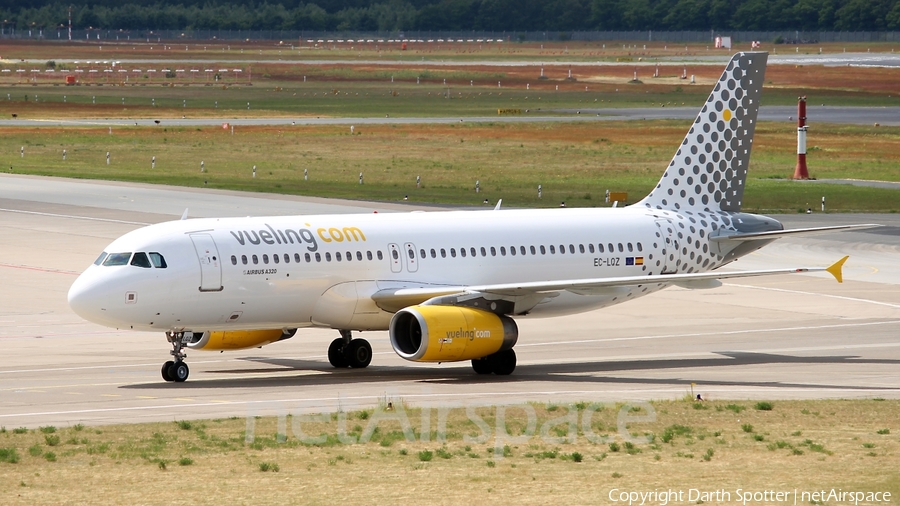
x,y
237,339
450,333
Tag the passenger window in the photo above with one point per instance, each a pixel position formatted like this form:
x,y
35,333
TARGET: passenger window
x,y
522,249
591,248
395,255
255,259
369,255
287,258
502,251
533,251
543,250
512,250
483,252
318,257
640,248
265,258
140,260
612,249
462,252
493,251
380,255
359,255
328,256
233,260
443,253
117,259
453,252
600,248
337,256
472,251
100,258
552,250
572,249
581,248
157,260
275,258
562,249
630,248
307,258
244,259
348,256
433,253
411,253
297,257
621,249
421,253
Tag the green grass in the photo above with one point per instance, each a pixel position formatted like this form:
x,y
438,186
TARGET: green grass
x,y
575,163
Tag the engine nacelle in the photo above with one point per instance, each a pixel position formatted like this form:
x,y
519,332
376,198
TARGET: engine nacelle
x,y
450,333
237,339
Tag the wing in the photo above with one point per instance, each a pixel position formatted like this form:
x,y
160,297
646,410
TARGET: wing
x,y
394,299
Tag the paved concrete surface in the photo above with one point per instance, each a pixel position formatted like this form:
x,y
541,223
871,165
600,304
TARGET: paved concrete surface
x,y
802,336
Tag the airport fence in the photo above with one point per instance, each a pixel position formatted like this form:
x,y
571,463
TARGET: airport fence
x,y
303,36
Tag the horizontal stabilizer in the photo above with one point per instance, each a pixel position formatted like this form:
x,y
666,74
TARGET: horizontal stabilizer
x,y
778,234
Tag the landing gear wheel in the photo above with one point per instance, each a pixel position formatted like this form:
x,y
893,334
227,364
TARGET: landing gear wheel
x,y
336,354
165,371
179,372
482,366
503,362
358,353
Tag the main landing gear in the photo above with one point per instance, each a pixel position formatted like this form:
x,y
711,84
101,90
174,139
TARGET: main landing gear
x,y
176,370
348,352
502,363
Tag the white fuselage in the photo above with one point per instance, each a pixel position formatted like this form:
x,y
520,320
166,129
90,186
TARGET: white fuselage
x,y
299,271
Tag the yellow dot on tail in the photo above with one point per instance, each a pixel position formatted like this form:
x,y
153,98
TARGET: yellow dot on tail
x,y
727,115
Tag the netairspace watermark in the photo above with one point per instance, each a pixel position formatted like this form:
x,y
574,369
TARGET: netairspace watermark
x,y
577,420
745,497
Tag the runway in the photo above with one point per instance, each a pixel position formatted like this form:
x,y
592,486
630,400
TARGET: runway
x,y
801,336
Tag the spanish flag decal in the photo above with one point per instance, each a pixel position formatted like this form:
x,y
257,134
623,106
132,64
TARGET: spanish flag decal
x,y
634,260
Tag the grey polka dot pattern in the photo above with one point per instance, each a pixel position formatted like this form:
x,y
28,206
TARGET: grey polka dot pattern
x,y
709,170
699,196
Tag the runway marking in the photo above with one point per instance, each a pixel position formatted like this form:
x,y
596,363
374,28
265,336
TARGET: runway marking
x,y
706,334
74,217
39,269
840,297
110,395
74,393
272,403
146,397
184,399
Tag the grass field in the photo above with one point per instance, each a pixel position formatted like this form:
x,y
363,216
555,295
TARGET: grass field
x,y
850,445
573,162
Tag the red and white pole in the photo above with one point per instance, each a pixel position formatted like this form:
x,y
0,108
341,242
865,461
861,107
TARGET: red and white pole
x,y
801,172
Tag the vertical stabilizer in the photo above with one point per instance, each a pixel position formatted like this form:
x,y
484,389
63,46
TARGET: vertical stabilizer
x,y
710,168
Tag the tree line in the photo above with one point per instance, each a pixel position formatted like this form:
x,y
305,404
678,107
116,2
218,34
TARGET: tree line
x,y
387,16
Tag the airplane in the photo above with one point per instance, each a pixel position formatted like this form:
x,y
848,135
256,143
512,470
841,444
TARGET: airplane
x,y
448,285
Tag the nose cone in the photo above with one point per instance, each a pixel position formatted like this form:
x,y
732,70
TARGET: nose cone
x,y
86,297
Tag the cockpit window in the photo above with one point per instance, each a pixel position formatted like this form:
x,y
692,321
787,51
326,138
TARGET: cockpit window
x,y
100,258
140,260
117,259
159,262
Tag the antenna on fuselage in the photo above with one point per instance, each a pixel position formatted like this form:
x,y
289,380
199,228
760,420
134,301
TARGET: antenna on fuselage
x,y
184,215
497,207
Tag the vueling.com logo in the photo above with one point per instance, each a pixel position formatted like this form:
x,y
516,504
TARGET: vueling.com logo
x,y
468,334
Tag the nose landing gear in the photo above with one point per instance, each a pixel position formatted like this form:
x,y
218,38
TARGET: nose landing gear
x,y
176,370
347,352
